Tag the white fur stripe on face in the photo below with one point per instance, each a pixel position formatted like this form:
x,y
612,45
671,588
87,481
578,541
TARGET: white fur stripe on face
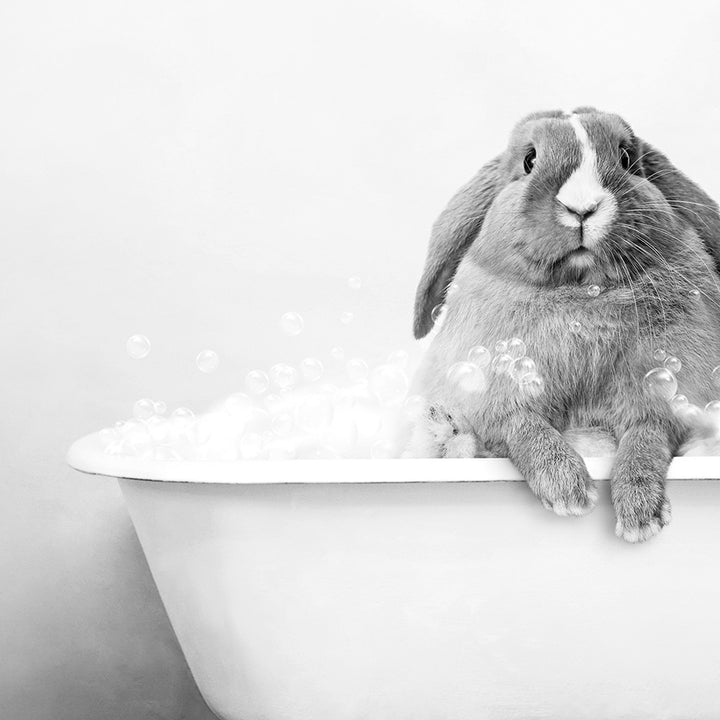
x,y
583,191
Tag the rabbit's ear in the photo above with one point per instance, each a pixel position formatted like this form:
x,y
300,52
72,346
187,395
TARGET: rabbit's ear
x,y
686,198
453,232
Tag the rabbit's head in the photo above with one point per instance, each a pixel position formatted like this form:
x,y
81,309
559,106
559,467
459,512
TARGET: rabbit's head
x,y
575,197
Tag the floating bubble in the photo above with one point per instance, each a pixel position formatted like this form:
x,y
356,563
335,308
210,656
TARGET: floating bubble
x,y
389,384
501,363
501,347
480,356
160,407
673,364
516,348
678,401
532,384
453,287
138,347
715,375
713,407
312,369
207,361
257,382
467,376
436,312
291,323
659,355
400,358
282,424
337,353
346,318
251,446
661,382
357,369
575,327
143,409
283,376
355,282
315,413
694,293
593,290
521,367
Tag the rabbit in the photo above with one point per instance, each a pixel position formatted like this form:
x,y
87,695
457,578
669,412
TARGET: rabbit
x,y
576,200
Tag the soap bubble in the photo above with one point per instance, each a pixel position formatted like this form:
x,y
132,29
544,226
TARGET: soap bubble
x,y
283,376
143,409
673,364
282,424
337,353
399,357
135,437
389,384
257,382
501,363
182,416
661,382
575,327
292,323
355,282
501,347
436,312
311,451
713,407
467,376
357,369
659,355
311,369
207,361
160,407
453,287
138,347
516,348
593,290
694,293
480,356
158,428
532,384
251,446
678,401
346,318
521,367
315,413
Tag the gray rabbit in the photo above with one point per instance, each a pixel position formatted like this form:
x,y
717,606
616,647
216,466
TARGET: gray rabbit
x,y
576,202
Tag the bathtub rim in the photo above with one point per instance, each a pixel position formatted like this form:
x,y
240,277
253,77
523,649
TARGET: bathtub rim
x,y
87,455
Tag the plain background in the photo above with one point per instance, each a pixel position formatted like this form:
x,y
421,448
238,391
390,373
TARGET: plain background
x,y
192,170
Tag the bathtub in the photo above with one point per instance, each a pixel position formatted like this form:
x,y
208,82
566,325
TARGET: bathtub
x,y
425,590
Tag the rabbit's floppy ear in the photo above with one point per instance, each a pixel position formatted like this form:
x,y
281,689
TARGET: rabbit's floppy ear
x,y
686,198
453,232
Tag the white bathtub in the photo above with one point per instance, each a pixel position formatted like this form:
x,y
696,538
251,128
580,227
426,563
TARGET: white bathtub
x,y
422,590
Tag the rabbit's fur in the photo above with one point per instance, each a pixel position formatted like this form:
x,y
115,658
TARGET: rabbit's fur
x,y
510,243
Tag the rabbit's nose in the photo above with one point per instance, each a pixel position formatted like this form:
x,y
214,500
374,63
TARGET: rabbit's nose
x,y
581,212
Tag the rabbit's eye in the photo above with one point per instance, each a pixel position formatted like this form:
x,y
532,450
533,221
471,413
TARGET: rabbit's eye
x,y
624,159
529,161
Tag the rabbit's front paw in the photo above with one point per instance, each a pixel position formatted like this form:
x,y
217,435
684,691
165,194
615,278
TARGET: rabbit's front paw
x,y
641,507
565,487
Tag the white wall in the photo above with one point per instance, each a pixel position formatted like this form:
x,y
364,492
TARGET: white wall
x,y
190,170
